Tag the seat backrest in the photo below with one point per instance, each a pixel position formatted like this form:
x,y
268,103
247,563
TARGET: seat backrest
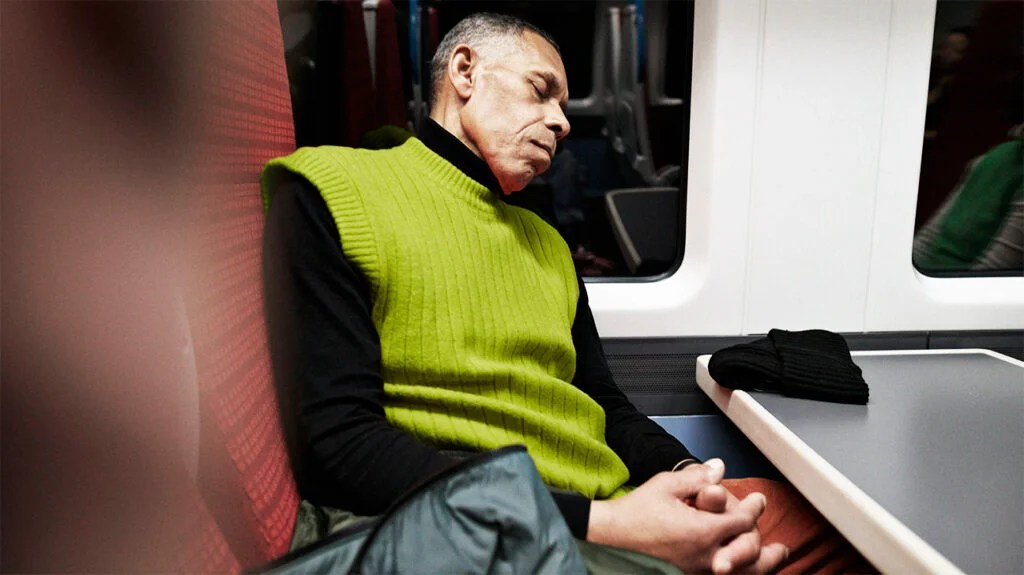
x,y
244,474
629,109
391,103
103,139
205,549
645,222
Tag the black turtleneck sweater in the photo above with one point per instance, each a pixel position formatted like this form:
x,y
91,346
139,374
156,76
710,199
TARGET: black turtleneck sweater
x,y
322,337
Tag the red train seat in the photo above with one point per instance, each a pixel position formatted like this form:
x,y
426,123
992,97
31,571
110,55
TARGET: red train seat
x,y
244,475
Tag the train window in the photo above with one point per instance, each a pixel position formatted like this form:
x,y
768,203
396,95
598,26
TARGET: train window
x,y
617,186
970,210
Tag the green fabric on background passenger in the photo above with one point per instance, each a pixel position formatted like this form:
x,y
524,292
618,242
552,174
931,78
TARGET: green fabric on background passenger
x,y
966,226
384,137
438,249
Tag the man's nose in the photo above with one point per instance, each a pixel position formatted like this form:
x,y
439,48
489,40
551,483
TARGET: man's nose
x,y
557,122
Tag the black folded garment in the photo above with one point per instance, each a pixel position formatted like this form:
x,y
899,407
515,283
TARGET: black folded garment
x,y
813,364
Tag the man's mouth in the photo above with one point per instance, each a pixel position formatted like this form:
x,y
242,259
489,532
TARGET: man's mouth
x,y
549,149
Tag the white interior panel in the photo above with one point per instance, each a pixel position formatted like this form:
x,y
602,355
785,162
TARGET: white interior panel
x,y
805,152
815,164
900,298
704,297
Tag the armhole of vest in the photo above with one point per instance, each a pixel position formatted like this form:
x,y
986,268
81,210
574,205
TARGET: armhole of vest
x,y
575,305
543,227
314,158
377,258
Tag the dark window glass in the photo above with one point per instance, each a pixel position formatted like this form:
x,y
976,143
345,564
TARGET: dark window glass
x,y
970,209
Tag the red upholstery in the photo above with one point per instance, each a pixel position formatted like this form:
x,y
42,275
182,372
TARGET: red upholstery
x,y
390,94
356,104
207,550
244,474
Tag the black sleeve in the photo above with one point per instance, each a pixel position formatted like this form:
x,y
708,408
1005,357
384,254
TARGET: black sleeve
x,y
326,355
644,446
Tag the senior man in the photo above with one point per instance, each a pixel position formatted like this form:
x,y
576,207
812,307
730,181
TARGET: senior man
x,y
416,316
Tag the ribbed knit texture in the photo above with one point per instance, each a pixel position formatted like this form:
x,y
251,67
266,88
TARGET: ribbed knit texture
x,y
474,301
817,364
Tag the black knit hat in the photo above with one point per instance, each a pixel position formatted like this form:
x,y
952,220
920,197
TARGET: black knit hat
x,y
813,364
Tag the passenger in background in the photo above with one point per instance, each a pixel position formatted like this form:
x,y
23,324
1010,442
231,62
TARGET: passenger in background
x,y
416,318
945,64
979,104
569,217
981,224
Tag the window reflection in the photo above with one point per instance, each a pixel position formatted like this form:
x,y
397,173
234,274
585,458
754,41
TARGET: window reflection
x,y
970,212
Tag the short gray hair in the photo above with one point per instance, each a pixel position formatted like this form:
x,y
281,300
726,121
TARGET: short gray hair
x,y
475,31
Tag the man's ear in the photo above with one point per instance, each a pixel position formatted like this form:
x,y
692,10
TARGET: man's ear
x,y
461,67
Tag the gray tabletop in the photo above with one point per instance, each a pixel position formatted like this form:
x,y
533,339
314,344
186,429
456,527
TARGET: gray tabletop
x,y
940,446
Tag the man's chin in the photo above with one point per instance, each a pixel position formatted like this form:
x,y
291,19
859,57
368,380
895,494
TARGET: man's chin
x,y
515,182
508,191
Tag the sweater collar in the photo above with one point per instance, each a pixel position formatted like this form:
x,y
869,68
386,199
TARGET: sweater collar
x,y
445,144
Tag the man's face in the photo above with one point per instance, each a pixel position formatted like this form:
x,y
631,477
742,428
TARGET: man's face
x,y
953,47
515,115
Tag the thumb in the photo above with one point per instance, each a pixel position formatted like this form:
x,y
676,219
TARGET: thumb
x,y
691,479
717,468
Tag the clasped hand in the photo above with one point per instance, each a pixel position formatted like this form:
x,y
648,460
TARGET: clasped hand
x,y
689,519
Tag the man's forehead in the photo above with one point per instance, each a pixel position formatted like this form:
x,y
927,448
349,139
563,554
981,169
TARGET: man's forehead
x,y
543,59
542,49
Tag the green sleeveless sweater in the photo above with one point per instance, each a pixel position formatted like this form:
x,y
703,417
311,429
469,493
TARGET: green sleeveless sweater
x,y
474,302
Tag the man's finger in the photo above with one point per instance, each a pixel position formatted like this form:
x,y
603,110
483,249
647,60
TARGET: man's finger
x,y
740,553
712,499
752,505
717,465
772,556
740,519
691,479
713,470
708,473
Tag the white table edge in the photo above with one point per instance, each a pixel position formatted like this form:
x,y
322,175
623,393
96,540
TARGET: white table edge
x,y
885,541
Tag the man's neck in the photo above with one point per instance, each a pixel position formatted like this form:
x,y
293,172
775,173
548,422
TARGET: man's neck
x,y
446,144
448,118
